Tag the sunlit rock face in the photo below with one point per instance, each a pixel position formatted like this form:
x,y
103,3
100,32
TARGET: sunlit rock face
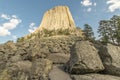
x,y
57,18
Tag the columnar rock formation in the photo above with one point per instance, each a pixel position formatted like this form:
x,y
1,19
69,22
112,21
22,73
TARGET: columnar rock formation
x,y
57,18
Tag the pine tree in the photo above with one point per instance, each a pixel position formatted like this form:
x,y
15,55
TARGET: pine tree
x,y
103,31
109,30
88,32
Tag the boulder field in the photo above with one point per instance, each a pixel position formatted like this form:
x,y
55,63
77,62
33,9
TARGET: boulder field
x,y
69,59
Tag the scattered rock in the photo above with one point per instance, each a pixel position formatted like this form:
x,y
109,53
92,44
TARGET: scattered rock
x,y
10,45
40,69
16,58
18,70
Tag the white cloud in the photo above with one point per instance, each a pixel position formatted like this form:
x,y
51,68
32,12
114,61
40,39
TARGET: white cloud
x,y
32,27
89,10
11,23
4,32
113,5
5,16
86,3
14,16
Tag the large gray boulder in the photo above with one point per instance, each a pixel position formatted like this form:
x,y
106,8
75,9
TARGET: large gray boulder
x,y
84,58
58,74
59,58
94,77
110,55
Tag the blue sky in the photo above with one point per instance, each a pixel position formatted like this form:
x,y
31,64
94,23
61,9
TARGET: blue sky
x,y
20,17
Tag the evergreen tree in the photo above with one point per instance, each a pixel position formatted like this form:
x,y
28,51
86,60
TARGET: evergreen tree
x,y
20,39
88,32
116,24
109,30
103,30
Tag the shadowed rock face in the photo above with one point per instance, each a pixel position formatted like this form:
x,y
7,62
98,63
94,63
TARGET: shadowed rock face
x,y
110,55
57,18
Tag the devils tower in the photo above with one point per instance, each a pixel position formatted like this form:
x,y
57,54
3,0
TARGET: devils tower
x,y
57,18
56,21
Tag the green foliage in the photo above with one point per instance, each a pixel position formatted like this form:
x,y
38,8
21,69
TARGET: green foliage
x,y
88,32
20,39
48,33
63,32
109,30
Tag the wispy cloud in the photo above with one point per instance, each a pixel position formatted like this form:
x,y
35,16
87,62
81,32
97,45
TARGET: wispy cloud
x,y
5,16
88,4
11,23
32,27
113,5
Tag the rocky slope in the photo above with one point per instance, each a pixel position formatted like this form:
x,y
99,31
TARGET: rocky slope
x,y
33,59
58,57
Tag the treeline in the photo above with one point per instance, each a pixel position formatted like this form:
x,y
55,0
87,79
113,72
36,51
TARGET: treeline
x,y
109,31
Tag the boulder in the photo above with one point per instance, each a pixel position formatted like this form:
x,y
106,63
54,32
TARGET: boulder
x,y
16,71
10,45
24,66
15,58
58,74
110,55
84,59
59,58
26,70
39,51
94,77
40,69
